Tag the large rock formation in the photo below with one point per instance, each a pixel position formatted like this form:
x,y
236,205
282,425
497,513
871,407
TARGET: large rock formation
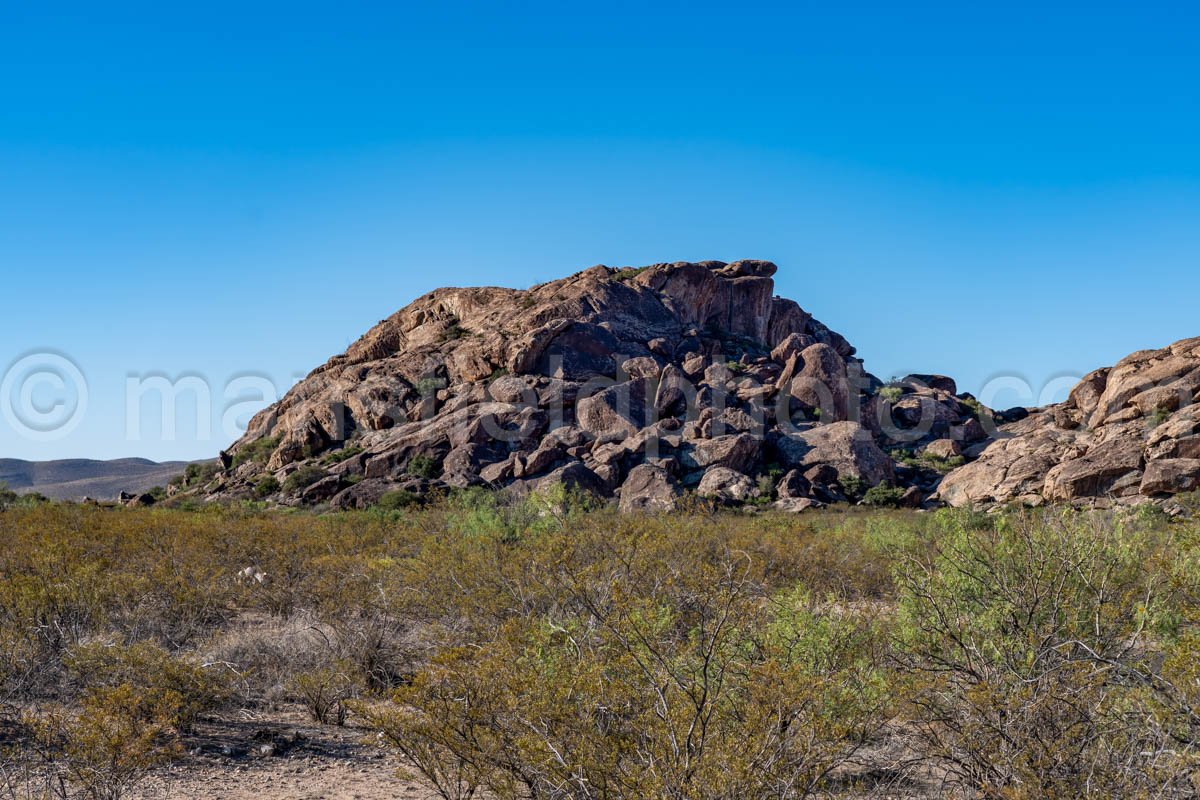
x,y
1126,435
631,383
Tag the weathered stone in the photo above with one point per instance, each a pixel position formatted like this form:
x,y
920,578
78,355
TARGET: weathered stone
x,y
795,505
821,383
1171,476
794,484
321,490
722,483
738,452
615,412
847,447
649,488
642,367
943,448
792,346
1093,473
941,383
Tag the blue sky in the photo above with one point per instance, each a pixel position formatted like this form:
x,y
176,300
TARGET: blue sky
x,y
222,191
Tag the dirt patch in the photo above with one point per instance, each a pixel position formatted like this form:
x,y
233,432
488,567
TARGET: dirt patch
x,y
281,755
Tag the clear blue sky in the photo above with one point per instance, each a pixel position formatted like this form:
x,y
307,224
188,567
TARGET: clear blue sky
x,y
221,189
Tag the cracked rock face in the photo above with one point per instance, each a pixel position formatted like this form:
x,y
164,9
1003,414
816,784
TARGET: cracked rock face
x,y
1126,434
637,384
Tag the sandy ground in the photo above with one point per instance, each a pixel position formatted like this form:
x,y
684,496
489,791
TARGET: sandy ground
x,y
282,756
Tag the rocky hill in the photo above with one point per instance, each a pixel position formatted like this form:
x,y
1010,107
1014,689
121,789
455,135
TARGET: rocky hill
x,y
1126,435
637,384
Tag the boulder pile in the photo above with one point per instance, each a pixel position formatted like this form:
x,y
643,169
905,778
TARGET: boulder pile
x,y
640,385
1126,435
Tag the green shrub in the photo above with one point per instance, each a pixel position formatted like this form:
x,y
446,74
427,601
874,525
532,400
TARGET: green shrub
x,y
147,667
266,486
105,749
977,409
629,273
883,496
344,454
303,477
397,499
427,387
853,487
421,466
326,693
453,331
1157,417
928,461
7,496
891,393
197,474
257,451
1035,645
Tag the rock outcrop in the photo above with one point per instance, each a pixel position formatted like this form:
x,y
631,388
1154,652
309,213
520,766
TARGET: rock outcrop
x,y
1126,435
636,384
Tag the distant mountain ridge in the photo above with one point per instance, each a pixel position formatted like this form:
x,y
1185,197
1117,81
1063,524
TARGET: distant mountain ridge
x,y
76,478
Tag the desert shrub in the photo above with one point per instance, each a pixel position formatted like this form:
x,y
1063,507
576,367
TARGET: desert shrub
x,y
7,496
148,668
266,486
398,499
1157,417
302,478
326,693
421,466
726,693
343,454
11,499
100,752
766,485
1036,640
891,393
551,646
20,671
453,330
427,387
200,473
927,461
257,451
261,655
853,486
628,273
977,409
883,496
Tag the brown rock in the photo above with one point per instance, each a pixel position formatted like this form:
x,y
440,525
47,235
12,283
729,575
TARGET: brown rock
x,y
649,488
822,383
944,448
722,483
847,447
1094,473
615,412
795,485
1171,476
795,505
737,452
